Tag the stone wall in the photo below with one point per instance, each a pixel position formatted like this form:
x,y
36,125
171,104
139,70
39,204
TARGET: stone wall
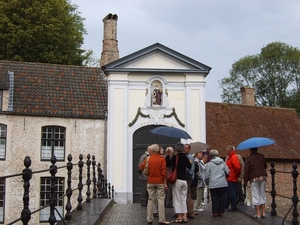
x,y
83,136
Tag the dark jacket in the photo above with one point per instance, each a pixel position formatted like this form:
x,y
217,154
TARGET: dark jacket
x,y
255,166
195,181
182,165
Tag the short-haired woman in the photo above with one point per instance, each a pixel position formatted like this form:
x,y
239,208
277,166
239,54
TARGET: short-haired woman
x,y
156,184
215,172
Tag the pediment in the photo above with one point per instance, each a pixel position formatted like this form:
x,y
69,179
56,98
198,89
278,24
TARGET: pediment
x,y
158,58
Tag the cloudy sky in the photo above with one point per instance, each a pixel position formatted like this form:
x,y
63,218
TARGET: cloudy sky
x,y
214,32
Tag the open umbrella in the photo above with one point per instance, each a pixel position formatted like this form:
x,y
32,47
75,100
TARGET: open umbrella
x,y
198,147
255,142
171,132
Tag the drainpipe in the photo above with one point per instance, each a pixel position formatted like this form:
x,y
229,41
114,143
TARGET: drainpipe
x,y
105,142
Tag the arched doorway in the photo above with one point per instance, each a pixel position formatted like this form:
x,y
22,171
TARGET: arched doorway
x,y
142,138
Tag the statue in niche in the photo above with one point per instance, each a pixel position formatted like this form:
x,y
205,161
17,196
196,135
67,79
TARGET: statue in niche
x,y
156,96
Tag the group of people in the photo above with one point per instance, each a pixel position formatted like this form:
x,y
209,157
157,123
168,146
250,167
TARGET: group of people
x,y
223,178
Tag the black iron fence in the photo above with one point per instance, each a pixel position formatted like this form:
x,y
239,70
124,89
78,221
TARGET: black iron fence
x,y
293,198
96,186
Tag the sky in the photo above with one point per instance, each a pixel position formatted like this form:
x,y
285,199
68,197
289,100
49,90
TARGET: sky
x,y
216,33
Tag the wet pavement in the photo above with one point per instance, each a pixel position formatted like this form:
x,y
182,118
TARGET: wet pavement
x,y
107,212
132,214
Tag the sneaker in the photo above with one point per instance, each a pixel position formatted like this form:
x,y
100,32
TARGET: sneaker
x,y
203,203
164,222
200,210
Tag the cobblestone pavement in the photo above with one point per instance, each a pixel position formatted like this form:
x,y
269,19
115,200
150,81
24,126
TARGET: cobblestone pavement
x,y
134,214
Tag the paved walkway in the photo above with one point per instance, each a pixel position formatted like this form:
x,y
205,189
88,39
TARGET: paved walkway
x,y
134,214
106,212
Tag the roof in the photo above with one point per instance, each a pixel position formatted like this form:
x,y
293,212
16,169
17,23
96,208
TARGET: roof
x,y
229,124
121,65
55,90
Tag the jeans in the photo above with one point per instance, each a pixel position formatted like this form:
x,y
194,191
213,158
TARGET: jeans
x,y
231,196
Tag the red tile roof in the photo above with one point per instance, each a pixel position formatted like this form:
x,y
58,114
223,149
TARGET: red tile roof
x,y
56,90
229,124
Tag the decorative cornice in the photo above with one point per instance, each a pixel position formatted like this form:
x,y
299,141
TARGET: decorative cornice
x,y
139,113
173,113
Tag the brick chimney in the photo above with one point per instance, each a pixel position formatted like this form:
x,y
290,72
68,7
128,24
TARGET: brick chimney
x,y
110,50
248,96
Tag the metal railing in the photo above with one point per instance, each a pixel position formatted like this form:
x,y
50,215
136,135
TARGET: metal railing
x,y
100,187
294,198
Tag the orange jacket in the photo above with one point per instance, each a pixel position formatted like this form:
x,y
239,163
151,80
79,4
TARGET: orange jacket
x,y
156,169
234,166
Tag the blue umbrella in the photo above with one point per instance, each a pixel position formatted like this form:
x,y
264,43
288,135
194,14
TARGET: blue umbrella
x,y
255,142
171,132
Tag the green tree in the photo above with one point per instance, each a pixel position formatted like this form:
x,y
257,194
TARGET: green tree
x,y
274,74
46,31
91,60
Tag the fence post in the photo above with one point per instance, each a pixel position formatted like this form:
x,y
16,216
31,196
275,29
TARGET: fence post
x,y
69,189
80,185
27,175
100,182
88,181
295,197
109,191
94,177
273,191
53,171
106,189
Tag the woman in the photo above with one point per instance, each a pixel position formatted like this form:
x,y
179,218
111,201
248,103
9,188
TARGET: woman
x,y
255,172
215,172
201,159
179,188
156,184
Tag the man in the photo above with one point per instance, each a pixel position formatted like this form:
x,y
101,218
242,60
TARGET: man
x,y
144,194
239,191
189,178
234,166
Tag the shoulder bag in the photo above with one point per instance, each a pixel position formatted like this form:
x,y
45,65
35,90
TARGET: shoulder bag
x,y
172,177
145,170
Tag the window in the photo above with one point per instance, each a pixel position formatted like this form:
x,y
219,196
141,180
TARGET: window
x,y
1,99
45,196
53,142
2,141
2,200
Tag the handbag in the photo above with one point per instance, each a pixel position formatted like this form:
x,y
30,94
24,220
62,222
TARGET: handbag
x,y
145,170
172,177
247,199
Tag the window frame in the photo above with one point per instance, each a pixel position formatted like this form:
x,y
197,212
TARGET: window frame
x,y
5,140
45,194
2,193
53,142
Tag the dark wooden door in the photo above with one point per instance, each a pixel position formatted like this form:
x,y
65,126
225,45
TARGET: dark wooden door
x,y
142,138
